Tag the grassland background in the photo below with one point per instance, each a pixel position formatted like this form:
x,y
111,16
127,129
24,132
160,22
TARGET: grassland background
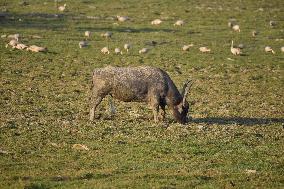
x,y
236,106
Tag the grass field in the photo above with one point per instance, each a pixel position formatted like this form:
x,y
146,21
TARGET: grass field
x,y
235,138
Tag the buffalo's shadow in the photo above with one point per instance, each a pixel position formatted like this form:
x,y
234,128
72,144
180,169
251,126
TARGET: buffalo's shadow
x,y
247,121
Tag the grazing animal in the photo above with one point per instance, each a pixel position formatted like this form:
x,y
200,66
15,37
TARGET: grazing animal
x,y
204,49
140,84
269,49
235,51
186,47
83,44
282,49
143,51
156,22
62,8
230,24
127,47
35,48
105,50
179,23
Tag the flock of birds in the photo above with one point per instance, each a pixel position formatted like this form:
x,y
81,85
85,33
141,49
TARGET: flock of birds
x,y
234,50
127,47
15,43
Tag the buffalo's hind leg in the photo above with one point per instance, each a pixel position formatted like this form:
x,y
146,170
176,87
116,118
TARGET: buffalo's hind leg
x,y
162,114
111,106
155,112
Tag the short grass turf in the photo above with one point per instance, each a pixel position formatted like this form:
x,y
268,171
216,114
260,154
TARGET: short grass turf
x,y
235,137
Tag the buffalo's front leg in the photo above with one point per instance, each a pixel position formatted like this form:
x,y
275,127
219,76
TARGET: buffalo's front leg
x,y
154,104
95,102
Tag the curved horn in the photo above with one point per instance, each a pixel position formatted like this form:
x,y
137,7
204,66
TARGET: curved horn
x,y
186,83
185,90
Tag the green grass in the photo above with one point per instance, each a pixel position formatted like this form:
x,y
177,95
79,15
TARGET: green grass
x,y
236,106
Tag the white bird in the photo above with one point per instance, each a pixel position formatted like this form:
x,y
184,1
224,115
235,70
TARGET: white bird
x,y
12,43
106,35
62,8
83,44
235,51
236,28
87,34
117,51
127,47
14,36
105,50
204,49
241,46
179,23
20,46
122,18
254,33
282,49
143,51
272,23
269,49
35,48
156,22
186,47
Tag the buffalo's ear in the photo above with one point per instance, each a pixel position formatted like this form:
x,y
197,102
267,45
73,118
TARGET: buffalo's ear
x,y
185,90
